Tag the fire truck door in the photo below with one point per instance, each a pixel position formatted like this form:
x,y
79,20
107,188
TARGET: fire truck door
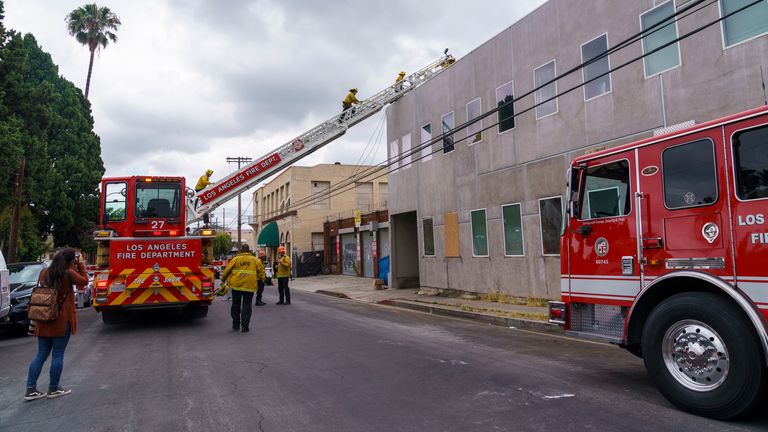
x,y
748,147
602,246
684,213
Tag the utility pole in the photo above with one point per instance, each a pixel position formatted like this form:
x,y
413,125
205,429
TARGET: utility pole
x,y
239,161
13,240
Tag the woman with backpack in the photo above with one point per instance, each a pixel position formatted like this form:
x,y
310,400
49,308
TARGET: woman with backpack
x,y
52,336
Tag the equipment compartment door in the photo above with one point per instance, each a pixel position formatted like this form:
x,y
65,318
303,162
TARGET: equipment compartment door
x,y
602,246
748,147
684,214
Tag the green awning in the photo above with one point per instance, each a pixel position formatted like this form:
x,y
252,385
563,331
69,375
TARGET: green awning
x,y
270,235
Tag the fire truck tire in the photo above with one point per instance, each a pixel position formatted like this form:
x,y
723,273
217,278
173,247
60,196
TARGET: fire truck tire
x,y
196,312
115,317
704,356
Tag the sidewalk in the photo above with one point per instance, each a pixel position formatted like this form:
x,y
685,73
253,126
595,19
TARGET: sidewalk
x,y
520,316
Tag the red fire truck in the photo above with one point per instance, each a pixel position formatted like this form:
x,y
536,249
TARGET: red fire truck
x,y
145,257
148,258
665,253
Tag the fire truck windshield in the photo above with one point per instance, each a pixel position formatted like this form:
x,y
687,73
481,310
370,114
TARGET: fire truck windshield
x,y
158,200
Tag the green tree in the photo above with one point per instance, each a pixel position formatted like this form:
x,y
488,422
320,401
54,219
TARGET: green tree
x,y
222,245
95,27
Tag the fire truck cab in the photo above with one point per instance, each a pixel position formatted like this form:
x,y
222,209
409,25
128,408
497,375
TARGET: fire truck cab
x,y
145,256
665,253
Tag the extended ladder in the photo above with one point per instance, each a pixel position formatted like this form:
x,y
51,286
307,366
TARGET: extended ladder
x,y
219,193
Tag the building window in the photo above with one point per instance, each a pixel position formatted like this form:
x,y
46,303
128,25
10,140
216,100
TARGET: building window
x,y
665,32
689,172
590,50
428,235
606,191
406,157
505,102
383,195
750,149
474,130
321,190
744,25
479,233
426,136
541,75
364,195
318,241
513,230
448,124
394,156
551,215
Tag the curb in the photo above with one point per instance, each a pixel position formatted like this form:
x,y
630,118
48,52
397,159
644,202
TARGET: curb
x,y
333,294
519,323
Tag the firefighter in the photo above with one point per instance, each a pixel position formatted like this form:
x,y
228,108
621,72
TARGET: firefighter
x,y
347,103
262,281
399,81
242,274
283,273
204,181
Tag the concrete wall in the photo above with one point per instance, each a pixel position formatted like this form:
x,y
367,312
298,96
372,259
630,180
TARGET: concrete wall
x,y
529,162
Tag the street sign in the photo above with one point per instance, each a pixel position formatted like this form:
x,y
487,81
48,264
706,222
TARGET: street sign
x,y
358,218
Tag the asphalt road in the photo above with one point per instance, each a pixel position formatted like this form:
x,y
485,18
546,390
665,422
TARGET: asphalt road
x,y
327,364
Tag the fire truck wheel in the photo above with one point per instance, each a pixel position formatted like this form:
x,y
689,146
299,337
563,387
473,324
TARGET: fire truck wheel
x,y
196,312
704,356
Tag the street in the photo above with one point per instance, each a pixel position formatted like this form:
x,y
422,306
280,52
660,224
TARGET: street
x,y
328,364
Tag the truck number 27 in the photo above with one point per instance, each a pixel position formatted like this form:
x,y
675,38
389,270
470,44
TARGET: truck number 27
x,y
158,224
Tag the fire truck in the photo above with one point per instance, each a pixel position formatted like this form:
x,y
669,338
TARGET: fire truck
x,y
148,255
665,253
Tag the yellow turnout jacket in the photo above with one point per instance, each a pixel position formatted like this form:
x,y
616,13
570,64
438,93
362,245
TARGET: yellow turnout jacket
x,y
284,267
244,272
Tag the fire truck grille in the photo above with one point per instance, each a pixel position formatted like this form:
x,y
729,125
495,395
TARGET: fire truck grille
x,y
603,320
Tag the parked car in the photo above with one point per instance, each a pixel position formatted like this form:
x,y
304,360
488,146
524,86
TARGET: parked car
x,y
84,296
5,290
23,278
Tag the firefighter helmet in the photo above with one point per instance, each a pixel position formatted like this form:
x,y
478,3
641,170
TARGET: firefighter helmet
x,y
222,290
209,172
281,249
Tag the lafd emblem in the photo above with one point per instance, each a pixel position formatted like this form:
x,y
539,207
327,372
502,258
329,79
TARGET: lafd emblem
x,y
601,247
156,267
710,231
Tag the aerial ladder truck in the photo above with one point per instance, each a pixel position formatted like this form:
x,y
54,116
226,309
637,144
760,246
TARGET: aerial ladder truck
x,y
148,255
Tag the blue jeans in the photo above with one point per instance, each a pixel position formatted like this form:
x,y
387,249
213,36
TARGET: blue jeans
x,y
46,345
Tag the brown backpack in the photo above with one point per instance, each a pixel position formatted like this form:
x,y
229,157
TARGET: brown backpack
x,y
44,305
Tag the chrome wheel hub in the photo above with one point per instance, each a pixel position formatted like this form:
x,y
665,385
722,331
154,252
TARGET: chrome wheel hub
x,y
695,355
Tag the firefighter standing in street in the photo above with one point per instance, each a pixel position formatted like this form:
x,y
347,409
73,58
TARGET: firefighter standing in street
x,y
260,290
283,273
243,274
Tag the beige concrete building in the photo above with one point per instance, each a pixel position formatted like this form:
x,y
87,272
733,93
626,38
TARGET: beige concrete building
x,y
284,200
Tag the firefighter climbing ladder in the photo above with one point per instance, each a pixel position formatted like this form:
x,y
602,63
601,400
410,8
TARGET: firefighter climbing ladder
x,y
306,143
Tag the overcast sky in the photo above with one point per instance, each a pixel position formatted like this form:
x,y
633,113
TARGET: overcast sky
x,y
191,82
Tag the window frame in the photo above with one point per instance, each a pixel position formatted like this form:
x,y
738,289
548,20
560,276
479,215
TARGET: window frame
x,y
498,120
442,133
733,163
125,202
722,29
610,74
629,191
522,229
178,196
541,224
557,97
677,35
480,131
428,156
472,233
424,253
714,166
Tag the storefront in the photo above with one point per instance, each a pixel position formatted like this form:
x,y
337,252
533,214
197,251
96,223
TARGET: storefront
x,y
356,250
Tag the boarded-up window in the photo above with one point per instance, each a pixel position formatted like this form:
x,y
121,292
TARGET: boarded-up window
x,y
321,192
451,232
318,241
364,196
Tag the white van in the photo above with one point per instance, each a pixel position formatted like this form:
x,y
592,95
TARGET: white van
x,y
5,289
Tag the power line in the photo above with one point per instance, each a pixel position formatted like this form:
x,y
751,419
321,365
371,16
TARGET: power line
x,y
680,13
396,159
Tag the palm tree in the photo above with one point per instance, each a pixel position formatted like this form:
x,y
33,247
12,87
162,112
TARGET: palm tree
x,y
93,26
